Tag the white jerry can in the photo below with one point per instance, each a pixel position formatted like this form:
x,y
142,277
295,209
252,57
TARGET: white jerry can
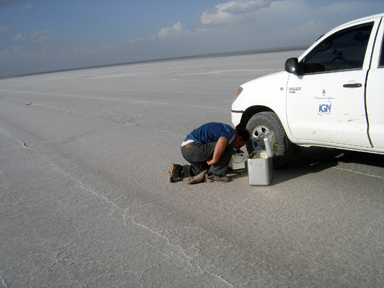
x,y
260,165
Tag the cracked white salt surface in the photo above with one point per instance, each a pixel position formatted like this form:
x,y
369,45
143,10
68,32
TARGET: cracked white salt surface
x,y
85,201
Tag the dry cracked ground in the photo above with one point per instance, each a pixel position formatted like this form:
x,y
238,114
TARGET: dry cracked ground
x,y
85,201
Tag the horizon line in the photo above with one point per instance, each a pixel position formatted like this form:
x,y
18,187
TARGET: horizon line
x,y
220,54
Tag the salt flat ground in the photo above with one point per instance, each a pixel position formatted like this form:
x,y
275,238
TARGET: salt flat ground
x,y
85,200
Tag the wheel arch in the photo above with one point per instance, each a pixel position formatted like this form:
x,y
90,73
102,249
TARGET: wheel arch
x,y
252,110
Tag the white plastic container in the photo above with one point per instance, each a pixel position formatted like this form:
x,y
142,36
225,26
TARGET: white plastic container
x,y
238,161
260,169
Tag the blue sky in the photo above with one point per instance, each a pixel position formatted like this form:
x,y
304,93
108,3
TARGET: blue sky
x,y
47,35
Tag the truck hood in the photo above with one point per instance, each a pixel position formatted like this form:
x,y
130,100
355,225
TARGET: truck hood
x,y
263,90
266,79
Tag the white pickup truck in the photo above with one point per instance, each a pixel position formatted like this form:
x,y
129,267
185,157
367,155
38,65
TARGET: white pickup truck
x,y
331,96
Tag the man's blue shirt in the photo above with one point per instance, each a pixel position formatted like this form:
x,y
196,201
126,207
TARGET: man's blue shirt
x,y
211,132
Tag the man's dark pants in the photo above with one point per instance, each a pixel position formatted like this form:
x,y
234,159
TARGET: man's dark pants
x,y
198,155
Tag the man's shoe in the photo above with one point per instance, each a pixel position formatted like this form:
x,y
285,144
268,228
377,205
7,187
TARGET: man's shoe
x,y
174,172
215,178
195,179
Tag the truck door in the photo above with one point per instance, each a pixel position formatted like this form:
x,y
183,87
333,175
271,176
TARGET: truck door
x,y
326,104
375,93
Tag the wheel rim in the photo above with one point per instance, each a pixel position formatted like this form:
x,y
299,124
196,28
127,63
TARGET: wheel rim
x,y
257,137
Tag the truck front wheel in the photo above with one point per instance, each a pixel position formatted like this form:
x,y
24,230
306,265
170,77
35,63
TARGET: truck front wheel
x,y
259,125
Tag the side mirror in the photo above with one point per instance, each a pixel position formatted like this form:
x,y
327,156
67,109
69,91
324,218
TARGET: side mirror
x,y
292,66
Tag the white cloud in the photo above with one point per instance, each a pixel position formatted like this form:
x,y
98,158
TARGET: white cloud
x,y
4,29
4,53
27,7
238,7
17,50
171,31
20,37
43,40
232,11
40,33
36,37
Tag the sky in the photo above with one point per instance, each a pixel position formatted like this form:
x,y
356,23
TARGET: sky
x,y
49,35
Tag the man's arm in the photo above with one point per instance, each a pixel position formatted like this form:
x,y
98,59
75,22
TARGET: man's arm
x,y
220,147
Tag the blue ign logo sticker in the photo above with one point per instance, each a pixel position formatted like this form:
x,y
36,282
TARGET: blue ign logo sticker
x,y
325,109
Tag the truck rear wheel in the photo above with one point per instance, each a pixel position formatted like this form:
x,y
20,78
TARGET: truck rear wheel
x,y
259,125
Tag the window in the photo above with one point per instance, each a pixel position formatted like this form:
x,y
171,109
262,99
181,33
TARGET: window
x,y
341,51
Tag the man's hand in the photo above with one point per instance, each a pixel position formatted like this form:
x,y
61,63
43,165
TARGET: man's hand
x,y
220,147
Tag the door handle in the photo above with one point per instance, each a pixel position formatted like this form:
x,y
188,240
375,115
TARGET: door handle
x,y
354,85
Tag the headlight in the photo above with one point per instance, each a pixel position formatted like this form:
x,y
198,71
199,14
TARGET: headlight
x,y
239,91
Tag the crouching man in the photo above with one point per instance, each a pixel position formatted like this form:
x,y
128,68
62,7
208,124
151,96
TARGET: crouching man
x,y
208,149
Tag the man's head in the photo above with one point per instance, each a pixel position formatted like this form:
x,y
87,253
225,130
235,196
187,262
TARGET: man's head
x,y
241,136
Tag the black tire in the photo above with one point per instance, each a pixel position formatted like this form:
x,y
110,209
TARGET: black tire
x,y
259,125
